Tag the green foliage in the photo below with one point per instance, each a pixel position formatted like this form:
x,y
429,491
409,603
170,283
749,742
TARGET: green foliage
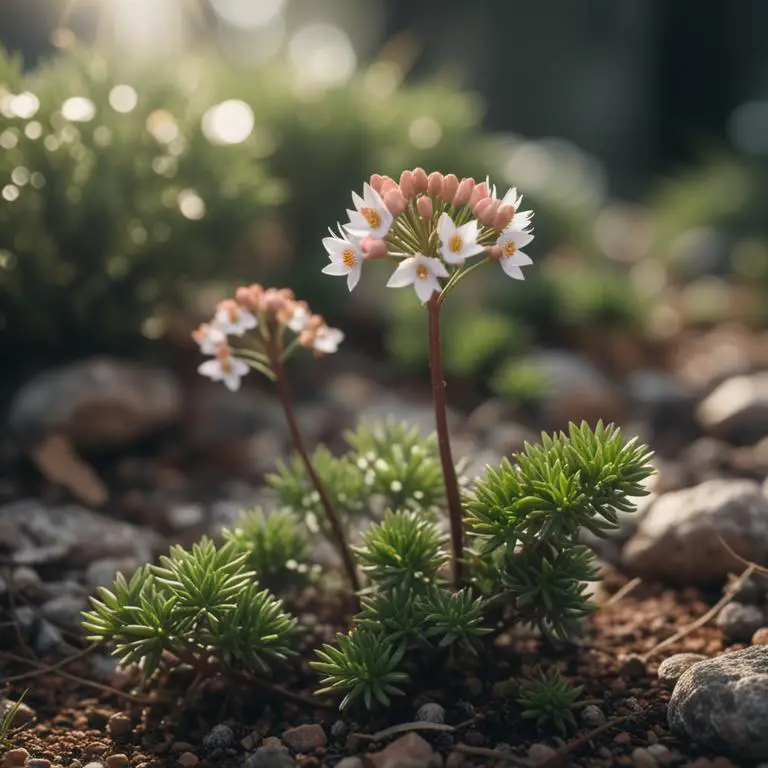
x,y
525,519
363,666
549,700
520,383
403,551
196,604
398,464
276,547
7,718
453,617
394,613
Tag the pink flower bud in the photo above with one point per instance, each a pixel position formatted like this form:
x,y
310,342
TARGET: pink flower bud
x,y
406,184
387,184
374,248
489,214
466,187
481,206
450,185
420,180
504,216
243,297
376,180
494,252
424,207
478,193
395,201
435,183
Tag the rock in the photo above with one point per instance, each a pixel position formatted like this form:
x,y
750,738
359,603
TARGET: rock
x,y
752,591
661,753
14,757
74,536
305,738
677,539
509,438
539,754
671,670
187,760
102,573
38,762
739,622
94,764
737,410
119,725
65,612
26,579
431,712
722,703
642,758
96,403
592,716
416,413
339,729
633,667
219,737
22,714
760,637
27,619
117,761
350,762
49,640
270,757
410,750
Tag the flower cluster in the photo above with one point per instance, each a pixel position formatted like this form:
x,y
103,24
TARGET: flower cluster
x,y
269,313
431,225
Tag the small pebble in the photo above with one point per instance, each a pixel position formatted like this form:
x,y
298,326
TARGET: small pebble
x,y
474,686
672,669
454,760
273,742
642,758
36,762
623,737
181,746
661,753
592,716
305,738
474,738
119,725
22,714
431,712
633,667
93,765
219,737
117,761
760,637
188,760
96,748
538,754
339,729
250,741
270,757
739,622
16,756
350,762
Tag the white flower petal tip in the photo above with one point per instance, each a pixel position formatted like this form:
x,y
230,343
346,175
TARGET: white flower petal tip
x,y
422,272
209,338
371,216
233,320
299,319
511,257
227,369
457,244
346,258
327,340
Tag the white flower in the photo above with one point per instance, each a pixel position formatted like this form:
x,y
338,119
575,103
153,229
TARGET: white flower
x,y
371,217
457,243
346,257
231,318
209,338
327,340
225,368
421,272
512,258
522,219
299,319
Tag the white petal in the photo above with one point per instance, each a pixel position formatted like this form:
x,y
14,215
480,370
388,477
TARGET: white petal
x,y
450,256
335,268
353,278
358,201
405,273
511,269
425,288
334,246
520,259
247,320
468,231
436,267
372,197
516,236
446,229
471,249
211,369
239,367
231,381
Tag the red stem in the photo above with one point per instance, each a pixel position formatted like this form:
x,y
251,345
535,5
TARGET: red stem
x,y
452,494
333,519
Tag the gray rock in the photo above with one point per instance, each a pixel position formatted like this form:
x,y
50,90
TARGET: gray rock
x,y
431,712
339,729
73,536
27,619
671,670
65,612
305,738
739,622
752,591
26,579
539,754
219,737
737,410
97,403
49,640
102,573
350,762
410,750
642,758
722,703
592,716
678,538
270,757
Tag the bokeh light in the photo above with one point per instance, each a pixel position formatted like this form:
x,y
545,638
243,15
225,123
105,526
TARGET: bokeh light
x,y
24,105
191,204
123,98
230,122
322,55
248,15
78,109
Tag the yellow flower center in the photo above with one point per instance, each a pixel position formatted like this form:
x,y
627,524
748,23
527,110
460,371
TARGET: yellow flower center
x,y
455,244
372,216
422,272
509,248
348,258
226,364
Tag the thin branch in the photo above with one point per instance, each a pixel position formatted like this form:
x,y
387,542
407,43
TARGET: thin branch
x,y
622,593
51,667
561,758
493,754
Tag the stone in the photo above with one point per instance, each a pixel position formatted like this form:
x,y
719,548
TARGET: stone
x,y
539,754
27,619
431,712
26,579
633,667
642,758
187,760
22,713
97,403
592,716
760,637
14,757
671,670
74,536
65,611
739,622
270,757
409,751
305,738
661,753
50,640
117,761
119,725
737,409
350,762
722,704
102,573
38,762
677,539
752,591
219,737
339,729
509,438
